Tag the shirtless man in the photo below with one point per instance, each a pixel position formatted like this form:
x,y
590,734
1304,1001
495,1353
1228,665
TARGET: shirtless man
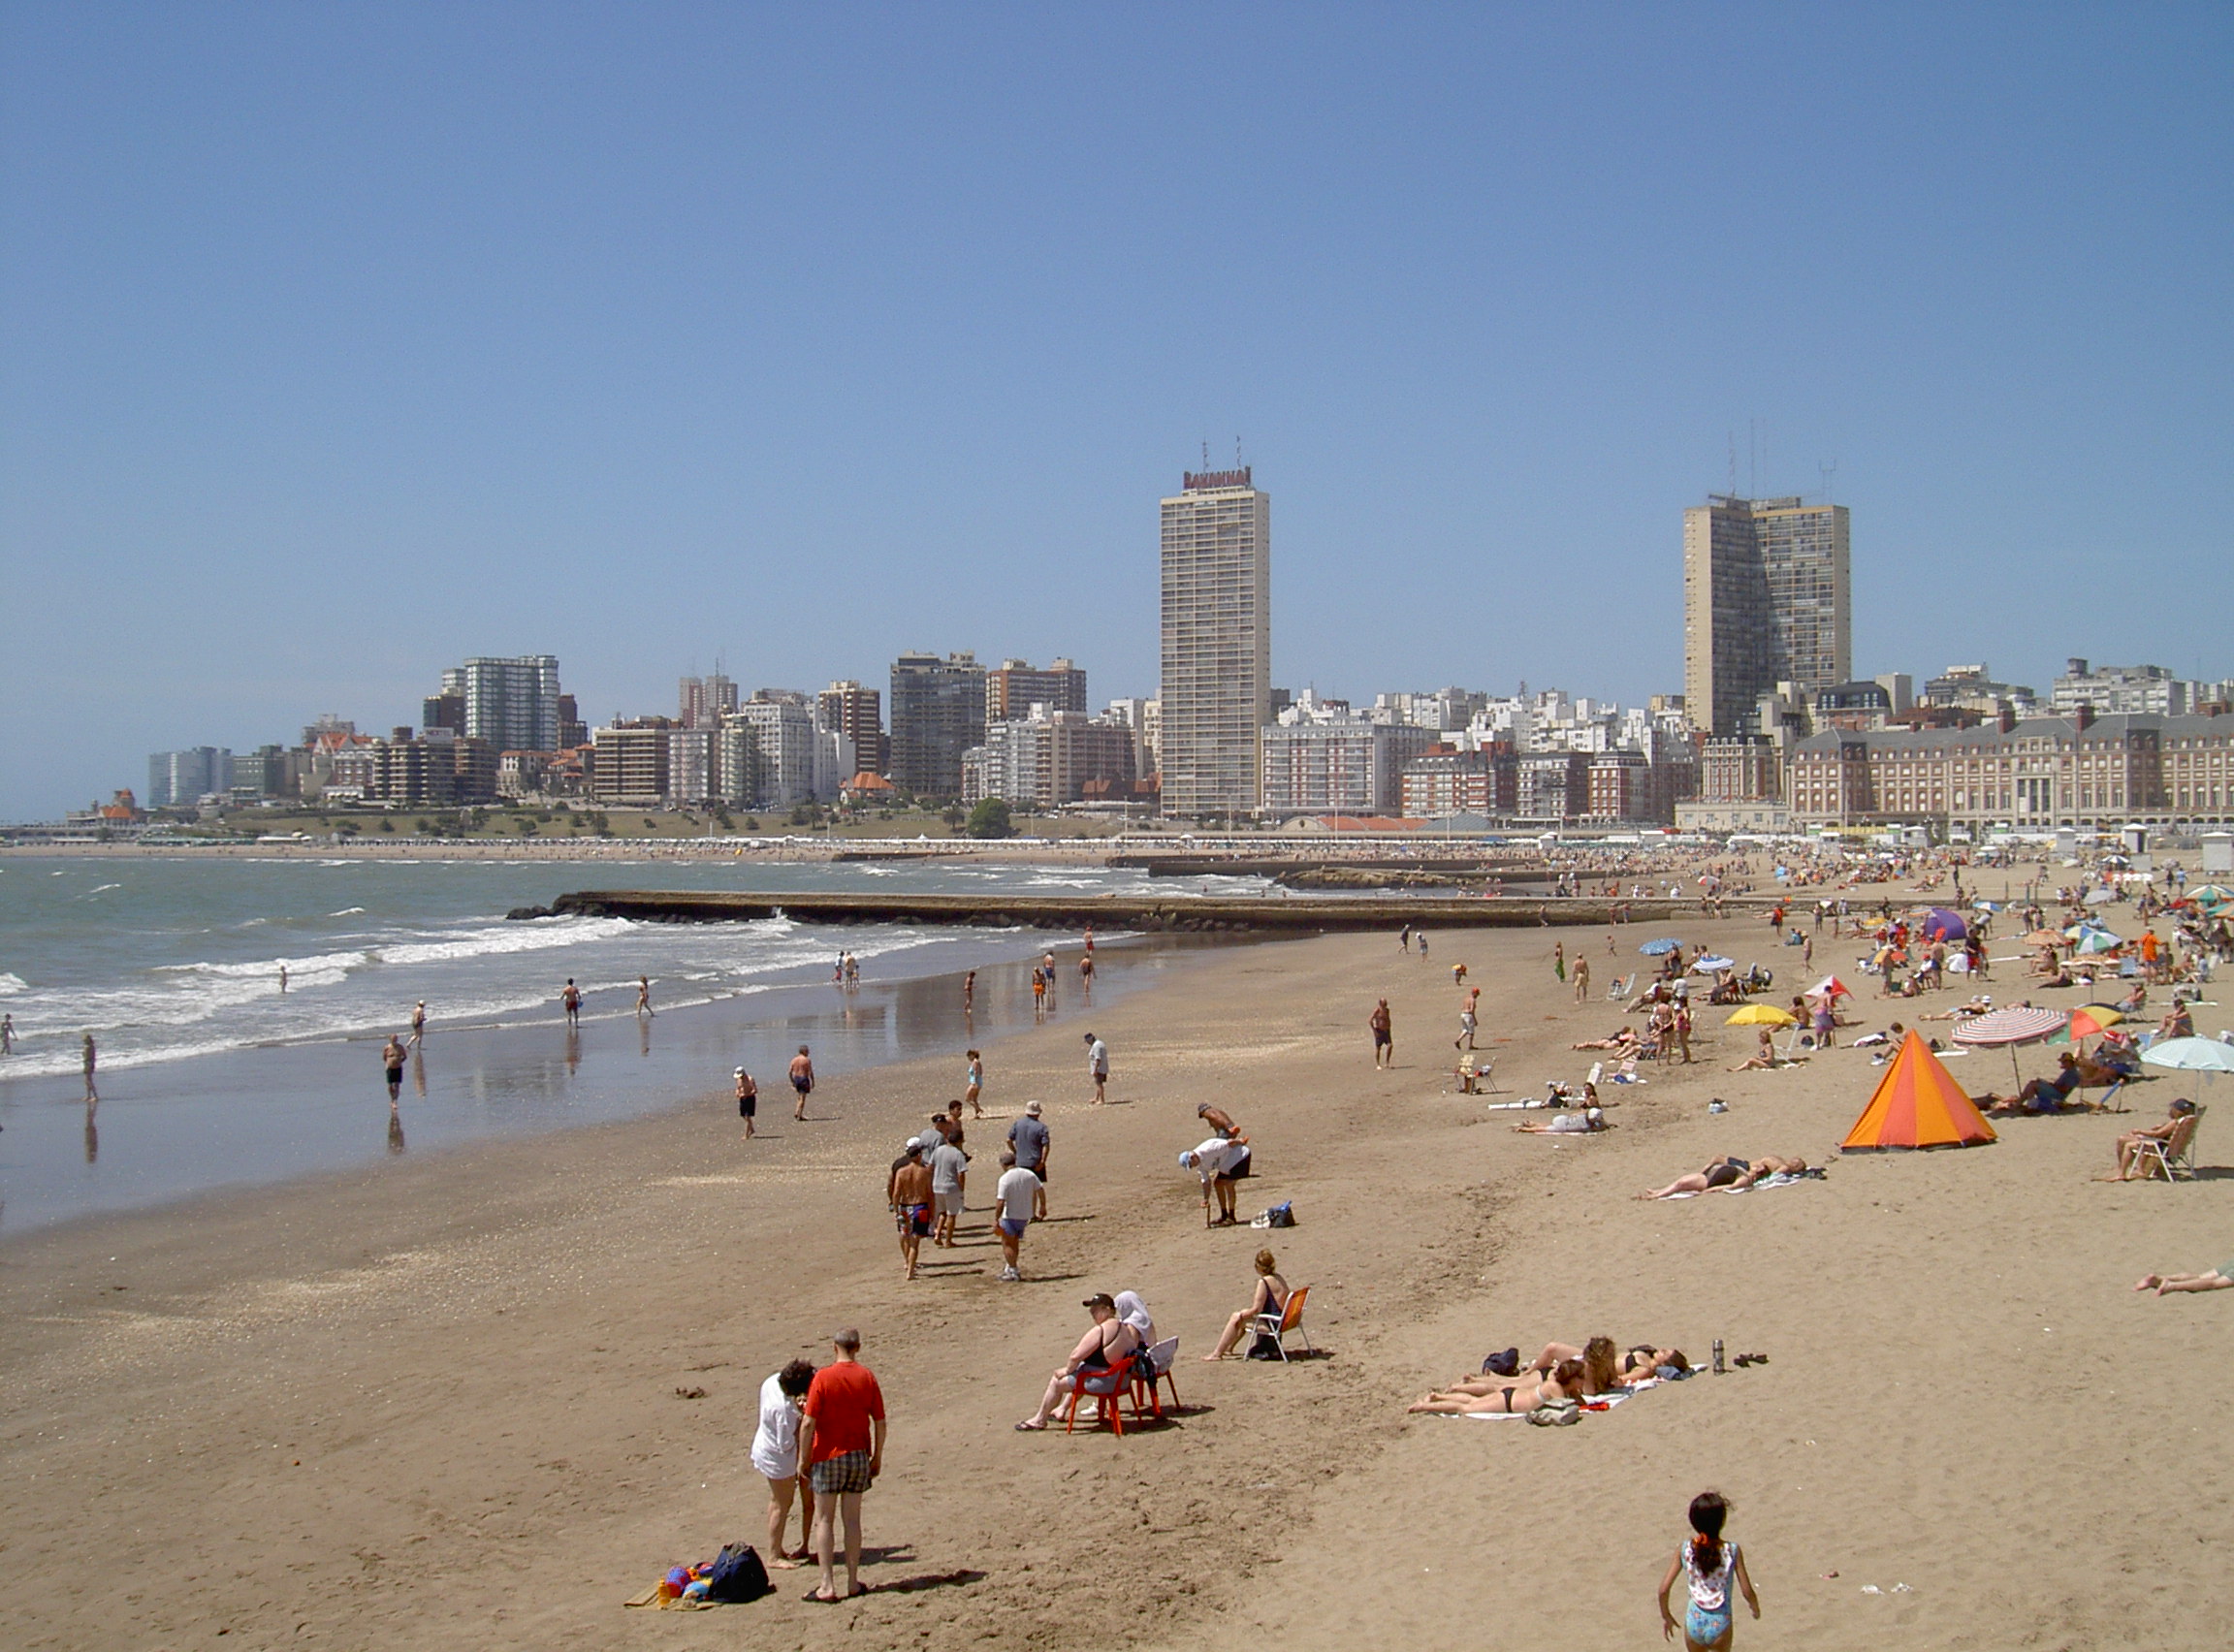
x,y
570,1001
1384,1036
802,1082
1218,1119
910,1192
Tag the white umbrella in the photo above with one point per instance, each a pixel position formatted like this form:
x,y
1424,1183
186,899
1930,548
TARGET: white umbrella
x,y
2019,1024
2191,1055
1708,966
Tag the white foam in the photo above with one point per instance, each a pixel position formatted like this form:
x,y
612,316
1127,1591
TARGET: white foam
x,y
10,984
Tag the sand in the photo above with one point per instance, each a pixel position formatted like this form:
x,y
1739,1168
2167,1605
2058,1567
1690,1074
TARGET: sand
x,y
436,1403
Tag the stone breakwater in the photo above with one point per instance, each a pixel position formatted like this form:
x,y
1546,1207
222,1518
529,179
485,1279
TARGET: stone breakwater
x,y
1266,914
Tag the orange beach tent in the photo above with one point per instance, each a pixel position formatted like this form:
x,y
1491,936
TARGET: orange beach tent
x,y
1917,1105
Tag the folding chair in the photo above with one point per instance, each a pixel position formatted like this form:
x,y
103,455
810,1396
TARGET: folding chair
x,y
1617,989
2174,1156
1112,1386
1152,1367
2111,1095
1289,1318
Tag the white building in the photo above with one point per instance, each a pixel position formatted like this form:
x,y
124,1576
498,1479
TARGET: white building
x,y
1324,758
1217,636
768,754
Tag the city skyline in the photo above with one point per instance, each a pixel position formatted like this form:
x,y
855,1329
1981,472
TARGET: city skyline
x,y
808,340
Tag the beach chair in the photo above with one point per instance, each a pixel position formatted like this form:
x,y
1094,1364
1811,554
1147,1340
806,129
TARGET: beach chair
x,y
2111,1095
1112,1387
1617,989
2173,1157
1153,1368
1289,1318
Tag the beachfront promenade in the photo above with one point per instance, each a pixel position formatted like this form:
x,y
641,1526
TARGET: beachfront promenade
x,y
1269,914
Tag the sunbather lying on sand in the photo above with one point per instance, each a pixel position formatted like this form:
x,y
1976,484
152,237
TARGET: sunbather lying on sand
x,y
2217,1278
1598,1360
1624,1041
1589,1119
1734,1174
1508,1399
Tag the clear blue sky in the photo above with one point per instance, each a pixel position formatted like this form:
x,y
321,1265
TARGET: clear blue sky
x,y
343,341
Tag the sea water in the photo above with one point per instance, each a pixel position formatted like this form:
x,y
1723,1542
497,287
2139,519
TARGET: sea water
x,y
210,1074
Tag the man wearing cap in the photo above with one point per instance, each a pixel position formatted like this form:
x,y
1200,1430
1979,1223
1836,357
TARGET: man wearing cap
x,y
1012,1202
910,1192
1098,1068
1220,1161
1028,1137
2128,1145
1109,1341
748,1101
842,1440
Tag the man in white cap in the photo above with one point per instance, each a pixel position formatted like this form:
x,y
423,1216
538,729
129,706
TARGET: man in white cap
x,y
748,1101
1220,1161
1029,1140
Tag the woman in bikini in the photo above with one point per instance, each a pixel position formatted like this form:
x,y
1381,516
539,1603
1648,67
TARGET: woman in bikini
x,y
1599,1360
1510,1399
1269,1298
1733,1173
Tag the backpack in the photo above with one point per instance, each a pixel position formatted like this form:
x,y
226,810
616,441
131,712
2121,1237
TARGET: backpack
x,y
738,1576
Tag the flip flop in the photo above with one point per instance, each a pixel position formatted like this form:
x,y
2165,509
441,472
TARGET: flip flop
x,y
1031,1428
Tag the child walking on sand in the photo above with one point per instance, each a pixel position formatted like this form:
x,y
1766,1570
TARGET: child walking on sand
x,y
1709,1566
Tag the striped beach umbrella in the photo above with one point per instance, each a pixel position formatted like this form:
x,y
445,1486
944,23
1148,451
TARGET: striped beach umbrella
x,y
2018,1025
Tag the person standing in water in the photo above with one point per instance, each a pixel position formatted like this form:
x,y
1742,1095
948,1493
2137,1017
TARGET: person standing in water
x,y
392,1058
570,1001
419,1021
92,1060
968,992
282,980
6,1034
643,995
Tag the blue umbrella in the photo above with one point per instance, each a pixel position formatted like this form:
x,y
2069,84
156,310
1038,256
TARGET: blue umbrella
x,y
1659,949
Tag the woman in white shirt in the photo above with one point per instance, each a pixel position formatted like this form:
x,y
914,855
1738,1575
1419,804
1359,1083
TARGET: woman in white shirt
x,y
776,1454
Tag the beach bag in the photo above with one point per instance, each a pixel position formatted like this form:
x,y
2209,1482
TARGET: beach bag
x,y
1556,1416
738,1576
1503,1364
1265,1347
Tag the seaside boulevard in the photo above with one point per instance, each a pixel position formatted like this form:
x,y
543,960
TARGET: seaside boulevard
x,y
483,1397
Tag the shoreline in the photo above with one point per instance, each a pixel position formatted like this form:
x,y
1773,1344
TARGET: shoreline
x,y
441,1405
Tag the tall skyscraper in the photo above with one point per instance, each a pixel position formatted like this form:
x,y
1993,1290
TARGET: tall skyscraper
x,y
1217,643
937,714
513,703
1766,600
858,714
703,701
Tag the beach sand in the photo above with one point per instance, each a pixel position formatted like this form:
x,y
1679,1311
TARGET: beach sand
x,y
436,1403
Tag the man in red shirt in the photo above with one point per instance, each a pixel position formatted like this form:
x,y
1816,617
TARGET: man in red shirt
x,y
842,1440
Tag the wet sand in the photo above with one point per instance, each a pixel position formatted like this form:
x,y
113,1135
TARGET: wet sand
x,y
436,1403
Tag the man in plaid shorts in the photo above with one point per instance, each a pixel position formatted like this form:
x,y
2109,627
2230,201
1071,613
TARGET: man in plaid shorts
x,y
842,1440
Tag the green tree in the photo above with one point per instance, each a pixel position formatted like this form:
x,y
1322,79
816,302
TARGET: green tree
x,y
387,825
990,819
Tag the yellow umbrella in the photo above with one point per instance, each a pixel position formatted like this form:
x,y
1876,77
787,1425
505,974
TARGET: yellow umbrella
x,y
1762,1015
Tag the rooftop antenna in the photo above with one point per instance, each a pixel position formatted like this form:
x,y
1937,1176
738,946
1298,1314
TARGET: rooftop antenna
x,y
1731,490
1753,458
1830,475
1205,455
1236,452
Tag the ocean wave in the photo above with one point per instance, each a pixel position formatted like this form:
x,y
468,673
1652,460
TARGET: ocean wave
x,y
345,913
12,983
103,888
506,938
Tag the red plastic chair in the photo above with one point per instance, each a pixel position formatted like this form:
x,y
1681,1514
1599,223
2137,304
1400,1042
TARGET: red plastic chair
x,y
1118,1379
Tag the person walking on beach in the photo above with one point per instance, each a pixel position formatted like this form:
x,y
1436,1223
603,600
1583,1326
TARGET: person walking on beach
x,y
644,995
282,980
950,1182
1013,1199
748,1101
910,1194
968,992
1559,959
1422,937
802,1082
976,1084
1581,979
842,1437
1710,1567
1404,940
570,1001
6,1034
92,1058
1086,974
1467,1021
392,1058
1098,1068
776,1454
419,1021
1384,1036
1029,1140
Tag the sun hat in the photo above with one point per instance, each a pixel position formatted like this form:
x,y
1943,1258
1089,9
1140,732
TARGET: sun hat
x,y
1033,1108
1100,1299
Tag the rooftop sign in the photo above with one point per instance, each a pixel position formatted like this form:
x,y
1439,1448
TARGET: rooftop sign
x,y
1201,481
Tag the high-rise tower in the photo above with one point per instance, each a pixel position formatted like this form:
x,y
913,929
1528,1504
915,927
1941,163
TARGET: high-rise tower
x,y
1766,600
1217,643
